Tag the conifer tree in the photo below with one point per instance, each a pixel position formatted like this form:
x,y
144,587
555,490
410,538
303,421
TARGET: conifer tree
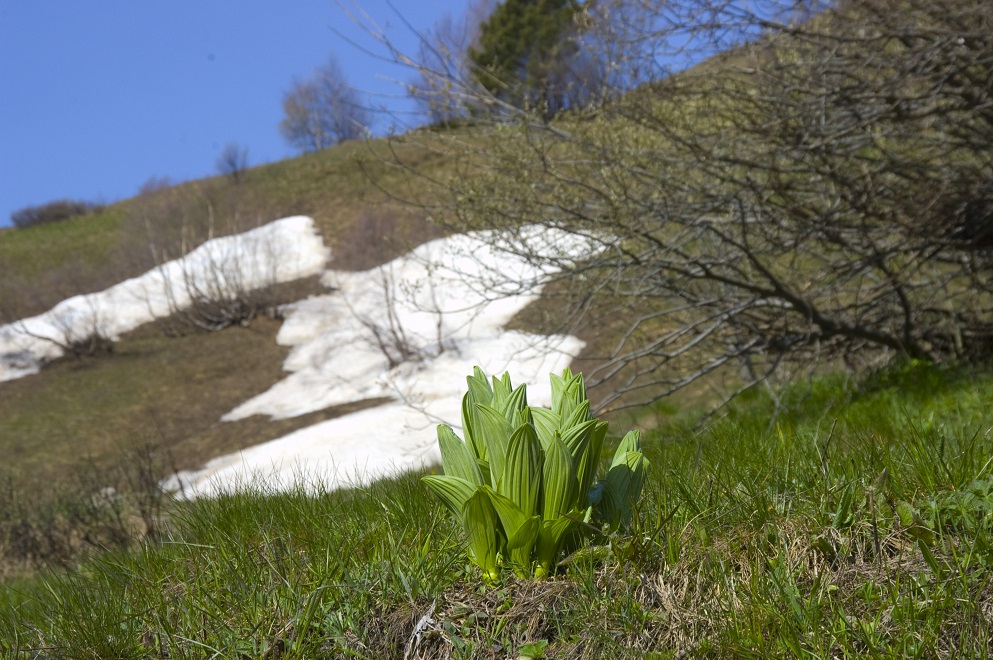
x,y
522,53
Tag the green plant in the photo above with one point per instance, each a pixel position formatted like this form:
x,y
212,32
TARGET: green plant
x,y
524,479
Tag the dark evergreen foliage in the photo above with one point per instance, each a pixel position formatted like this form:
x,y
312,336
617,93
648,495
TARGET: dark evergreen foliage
x,y
522,51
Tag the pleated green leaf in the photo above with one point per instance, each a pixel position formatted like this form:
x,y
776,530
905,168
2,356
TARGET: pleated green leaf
x,y
484,532
525,478
511,516
501,391
630,442
577,437
479,387
580,414
623,485
567,404
457,458
559,483
546,423
572,393
521,480
558,390
520,417
525,537
550,539
588,470
476,446
521,529
516,401
579,382
454,492
492,430
484,469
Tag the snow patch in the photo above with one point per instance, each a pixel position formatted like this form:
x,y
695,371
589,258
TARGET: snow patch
x,y
281,251
409,331
448,301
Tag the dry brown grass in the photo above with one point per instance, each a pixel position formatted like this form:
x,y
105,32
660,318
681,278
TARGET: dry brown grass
x,y
494,621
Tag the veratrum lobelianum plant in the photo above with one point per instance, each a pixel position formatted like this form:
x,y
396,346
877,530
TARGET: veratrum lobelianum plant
x,y
525,478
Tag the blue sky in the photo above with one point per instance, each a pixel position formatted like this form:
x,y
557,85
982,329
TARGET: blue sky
x,y
98,97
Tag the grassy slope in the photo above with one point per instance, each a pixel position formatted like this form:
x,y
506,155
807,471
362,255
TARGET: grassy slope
x,y
170,392
166,392
337,187
343,189
152,393
31,252
756,539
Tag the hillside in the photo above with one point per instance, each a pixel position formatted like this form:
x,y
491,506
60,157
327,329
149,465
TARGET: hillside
x,y
161,390
799,225
43,265
393,339
341,188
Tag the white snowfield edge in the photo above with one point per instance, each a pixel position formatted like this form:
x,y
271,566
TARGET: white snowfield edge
x,y
281,251
408,332
446,303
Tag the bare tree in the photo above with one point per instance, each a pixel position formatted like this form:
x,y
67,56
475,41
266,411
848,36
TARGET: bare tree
x,y
322,110
792,184
233,161
208,285
444,66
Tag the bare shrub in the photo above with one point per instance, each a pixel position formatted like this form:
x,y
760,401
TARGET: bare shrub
x,y
379,235
233,161
176,219
102,508
75,326
78,332
220,287
373,240
211,292
57,211
816,192
220,296
386,331
214,291
154,184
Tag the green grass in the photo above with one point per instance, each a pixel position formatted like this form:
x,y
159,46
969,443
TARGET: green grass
x,y
35,250
858,523
91,409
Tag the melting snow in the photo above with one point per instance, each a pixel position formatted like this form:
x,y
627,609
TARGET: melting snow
x,y
409,331
281,251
